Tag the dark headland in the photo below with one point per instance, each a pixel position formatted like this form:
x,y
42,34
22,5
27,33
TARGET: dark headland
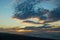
x,y
8,36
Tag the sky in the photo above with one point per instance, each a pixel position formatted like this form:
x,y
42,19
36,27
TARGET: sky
x,y
7,10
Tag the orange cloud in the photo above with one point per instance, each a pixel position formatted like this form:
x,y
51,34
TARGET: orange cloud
x,y
18,20
24,24
24,30
37,20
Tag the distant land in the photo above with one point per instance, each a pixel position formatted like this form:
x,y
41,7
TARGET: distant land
x,y
8,36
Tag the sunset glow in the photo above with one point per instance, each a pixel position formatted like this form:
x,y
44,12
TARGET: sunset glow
x,y
24,30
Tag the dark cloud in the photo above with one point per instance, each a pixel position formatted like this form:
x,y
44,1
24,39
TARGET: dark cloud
x,y
56,29
25,10
38,28
28,21
55,14
41,27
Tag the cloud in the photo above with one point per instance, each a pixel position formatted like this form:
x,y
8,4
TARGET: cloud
x,y
55,14
56,29
26,10
46,29
24,24
28,21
